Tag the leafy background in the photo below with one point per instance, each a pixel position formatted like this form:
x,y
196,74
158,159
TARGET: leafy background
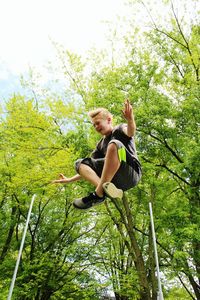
x,y
107,250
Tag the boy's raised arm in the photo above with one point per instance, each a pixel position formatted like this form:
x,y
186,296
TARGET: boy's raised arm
x,y
128,115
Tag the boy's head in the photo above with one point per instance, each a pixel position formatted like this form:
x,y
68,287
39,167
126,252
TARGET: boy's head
x,y
101,112
102,120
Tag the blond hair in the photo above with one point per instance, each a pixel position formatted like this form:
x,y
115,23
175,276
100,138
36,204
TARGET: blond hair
x,y
102,111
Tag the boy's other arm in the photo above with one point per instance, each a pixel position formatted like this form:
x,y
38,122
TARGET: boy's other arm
x,y
64,179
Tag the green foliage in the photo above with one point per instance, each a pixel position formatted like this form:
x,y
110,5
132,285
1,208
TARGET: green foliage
x,y
177,293
81,255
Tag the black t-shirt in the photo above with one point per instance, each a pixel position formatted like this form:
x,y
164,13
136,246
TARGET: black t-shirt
x,y
116,134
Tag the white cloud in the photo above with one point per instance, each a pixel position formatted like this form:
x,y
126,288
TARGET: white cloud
x,y
26,27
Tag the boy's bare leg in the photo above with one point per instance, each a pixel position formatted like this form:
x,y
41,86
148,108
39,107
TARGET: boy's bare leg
x,y
111,165
88,174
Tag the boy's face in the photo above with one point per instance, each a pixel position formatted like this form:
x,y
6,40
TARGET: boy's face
x,y
102,124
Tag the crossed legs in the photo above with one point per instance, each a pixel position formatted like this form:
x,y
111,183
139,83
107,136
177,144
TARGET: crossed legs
x,y
111,165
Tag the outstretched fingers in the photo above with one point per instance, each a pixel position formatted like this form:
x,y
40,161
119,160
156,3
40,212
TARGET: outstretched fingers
x,y
61,179
128,110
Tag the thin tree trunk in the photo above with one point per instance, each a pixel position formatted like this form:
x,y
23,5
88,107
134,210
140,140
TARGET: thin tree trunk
x,y
10,234
139,262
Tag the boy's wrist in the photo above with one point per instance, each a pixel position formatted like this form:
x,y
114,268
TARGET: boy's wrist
x,y
130,120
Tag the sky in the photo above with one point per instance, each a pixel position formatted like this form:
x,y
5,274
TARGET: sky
x,y
28,26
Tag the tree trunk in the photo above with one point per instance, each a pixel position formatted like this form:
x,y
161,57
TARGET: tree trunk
x,y
10,234
139,262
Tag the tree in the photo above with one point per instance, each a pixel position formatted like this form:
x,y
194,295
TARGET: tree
x,y
33,151
39,141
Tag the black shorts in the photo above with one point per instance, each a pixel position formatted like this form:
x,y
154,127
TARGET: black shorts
x,y
128,174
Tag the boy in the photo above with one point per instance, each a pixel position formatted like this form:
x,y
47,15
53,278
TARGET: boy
x,y
113,166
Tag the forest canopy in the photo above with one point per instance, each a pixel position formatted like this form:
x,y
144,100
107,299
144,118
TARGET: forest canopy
x,y
107,250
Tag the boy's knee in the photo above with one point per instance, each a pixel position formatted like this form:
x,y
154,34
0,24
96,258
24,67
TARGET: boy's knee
x,y
77,164
112,147
120,149
115,145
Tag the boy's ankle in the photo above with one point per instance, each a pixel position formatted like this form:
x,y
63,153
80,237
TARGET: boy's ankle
x,y
100,195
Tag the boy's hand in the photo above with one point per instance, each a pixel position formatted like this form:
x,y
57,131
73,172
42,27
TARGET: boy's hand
x,y
128,110
128,115
62,179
